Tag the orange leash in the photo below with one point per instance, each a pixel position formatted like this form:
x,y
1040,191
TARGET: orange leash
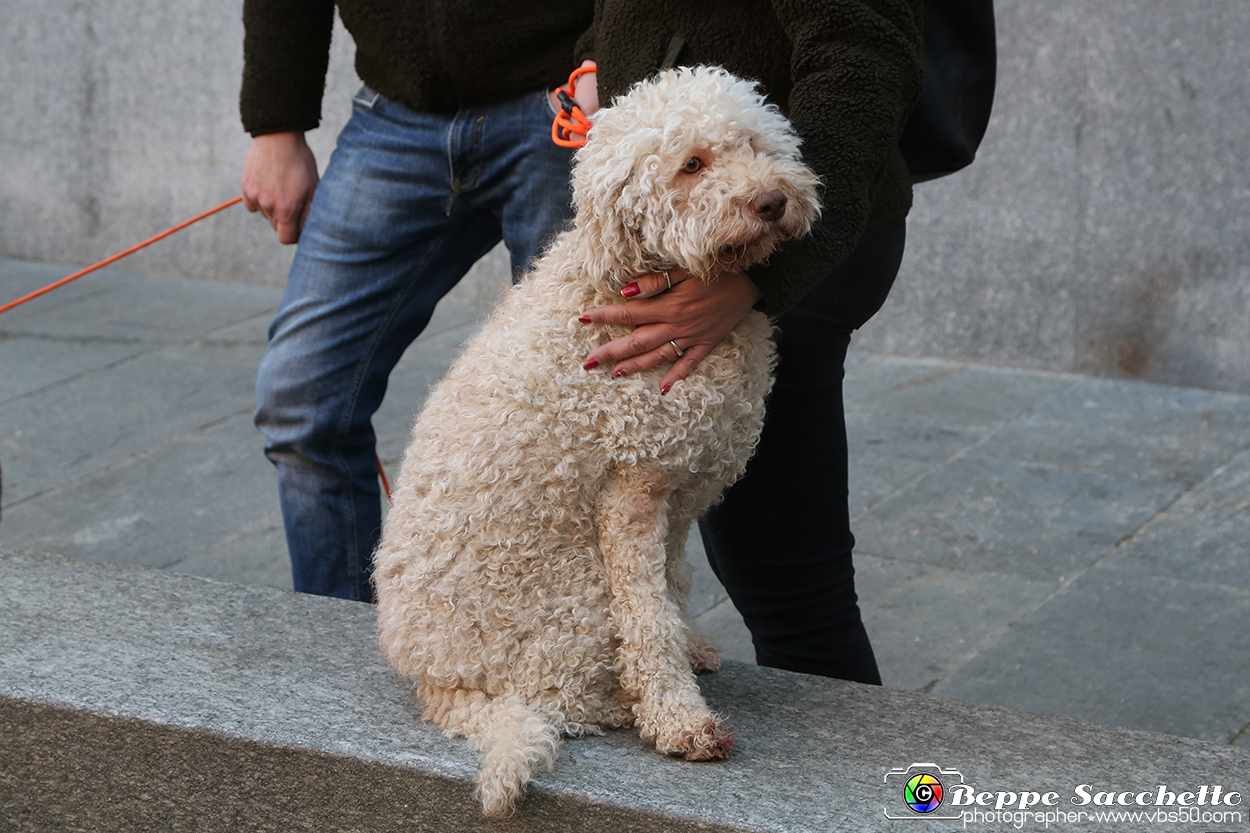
x,y
570,121
118,256
132,250
385,484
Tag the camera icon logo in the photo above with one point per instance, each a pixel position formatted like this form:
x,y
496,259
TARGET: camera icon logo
x,y
923,793
921,786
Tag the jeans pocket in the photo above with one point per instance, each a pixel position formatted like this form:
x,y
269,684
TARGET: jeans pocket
x,y
548,107
366,97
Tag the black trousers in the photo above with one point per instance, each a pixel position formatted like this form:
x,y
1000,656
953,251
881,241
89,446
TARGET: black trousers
x,y
780,541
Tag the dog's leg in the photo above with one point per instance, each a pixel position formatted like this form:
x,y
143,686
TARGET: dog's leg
x,y
653,660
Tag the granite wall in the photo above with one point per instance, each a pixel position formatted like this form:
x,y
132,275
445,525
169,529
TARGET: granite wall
x,y
1104,230
122,119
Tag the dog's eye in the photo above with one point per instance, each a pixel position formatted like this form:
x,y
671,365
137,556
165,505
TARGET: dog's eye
x,y
693,165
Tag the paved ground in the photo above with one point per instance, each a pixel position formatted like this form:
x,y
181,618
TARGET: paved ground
x,y
1047,542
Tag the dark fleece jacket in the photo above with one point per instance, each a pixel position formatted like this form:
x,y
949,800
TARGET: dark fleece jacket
x,y
426,54
846,72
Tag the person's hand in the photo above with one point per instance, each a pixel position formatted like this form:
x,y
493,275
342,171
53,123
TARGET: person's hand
x,y
679,325
279,178
585,92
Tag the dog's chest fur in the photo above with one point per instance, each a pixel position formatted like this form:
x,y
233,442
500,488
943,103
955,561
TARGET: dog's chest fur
x,y
524,374
502,479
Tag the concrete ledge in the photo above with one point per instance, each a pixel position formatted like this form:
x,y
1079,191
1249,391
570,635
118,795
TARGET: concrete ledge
x,y
133,699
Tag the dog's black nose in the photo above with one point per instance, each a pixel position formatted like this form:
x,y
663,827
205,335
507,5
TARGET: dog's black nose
x,y
769,205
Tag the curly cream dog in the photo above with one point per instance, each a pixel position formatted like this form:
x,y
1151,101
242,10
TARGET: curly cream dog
x,y
531,576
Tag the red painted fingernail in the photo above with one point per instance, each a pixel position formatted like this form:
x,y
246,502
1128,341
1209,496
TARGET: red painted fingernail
x,y
585,319
591,365
631,289
664,390
618,374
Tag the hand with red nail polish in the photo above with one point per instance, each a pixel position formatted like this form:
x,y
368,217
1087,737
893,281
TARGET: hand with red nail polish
x,y
677,326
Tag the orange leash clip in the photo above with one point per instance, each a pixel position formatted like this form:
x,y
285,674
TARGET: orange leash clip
x,y
570,121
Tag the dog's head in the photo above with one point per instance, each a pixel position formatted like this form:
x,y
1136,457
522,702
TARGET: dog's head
x,y
692,169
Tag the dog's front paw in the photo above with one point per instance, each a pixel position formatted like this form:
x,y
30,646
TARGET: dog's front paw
x,y
703,739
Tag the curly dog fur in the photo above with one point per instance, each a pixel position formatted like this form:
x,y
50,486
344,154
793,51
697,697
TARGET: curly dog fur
x,y
531,576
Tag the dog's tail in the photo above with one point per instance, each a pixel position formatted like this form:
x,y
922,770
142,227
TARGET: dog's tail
x,y
513,739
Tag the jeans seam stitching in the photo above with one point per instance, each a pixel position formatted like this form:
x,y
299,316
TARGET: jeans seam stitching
x,y
357,383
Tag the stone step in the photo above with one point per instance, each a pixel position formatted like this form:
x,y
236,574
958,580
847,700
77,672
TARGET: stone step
x,y
136,699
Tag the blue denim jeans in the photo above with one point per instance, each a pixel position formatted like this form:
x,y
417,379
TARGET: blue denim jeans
x,y
408,203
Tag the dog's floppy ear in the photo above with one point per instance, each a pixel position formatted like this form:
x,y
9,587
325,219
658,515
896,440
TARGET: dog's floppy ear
x,y
610,182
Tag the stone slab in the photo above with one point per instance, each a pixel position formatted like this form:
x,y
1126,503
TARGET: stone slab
x,y
887,454
1162,654
33,361
164,307
706,591
1203,537
49,439
870,375
255,553
927,622
19,277
105,317
1038,522
165,700
1130,429
970,396
207,489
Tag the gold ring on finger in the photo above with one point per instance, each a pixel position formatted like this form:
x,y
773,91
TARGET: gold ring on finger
x,y
678,349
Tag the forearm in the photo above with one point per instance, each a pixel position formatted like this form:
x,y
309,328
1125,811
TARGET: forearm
x,y
585,47
286,48
857,71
